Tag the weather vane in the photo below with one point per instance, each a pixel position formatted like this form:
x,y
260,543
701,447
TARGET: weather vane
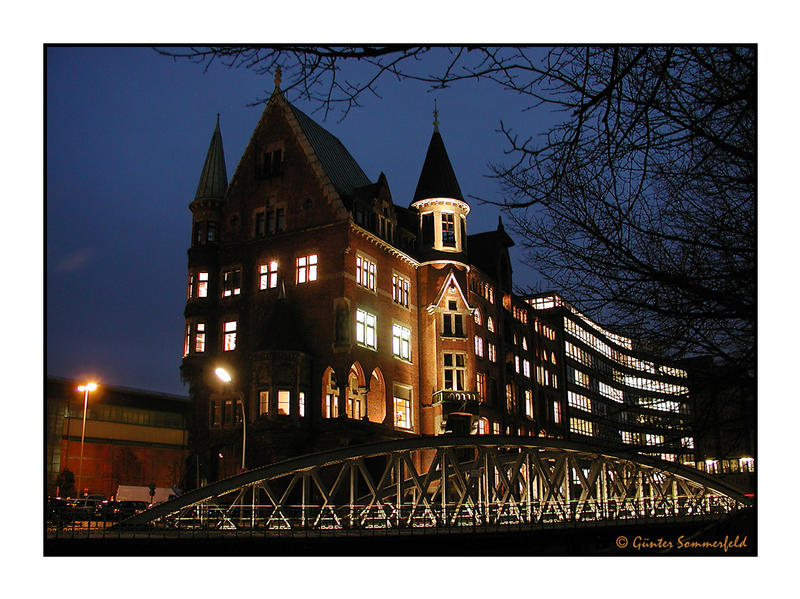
x,y
435,116
278,76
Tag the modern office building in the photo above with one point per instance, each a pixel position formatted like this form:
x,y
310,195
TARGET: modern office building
x,y
615,392
132,437
343,316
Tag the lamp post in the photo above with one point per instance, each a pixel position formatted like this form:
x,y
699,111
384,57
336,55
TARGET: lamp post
x,y
223,375
86,389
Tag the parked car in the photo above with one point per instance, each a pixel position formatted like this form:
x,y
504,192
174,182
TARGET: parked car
x,y
83,508
119,510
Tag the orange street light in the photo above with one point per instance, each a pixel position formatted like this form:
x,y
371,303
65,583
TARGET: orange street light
x,y
85,388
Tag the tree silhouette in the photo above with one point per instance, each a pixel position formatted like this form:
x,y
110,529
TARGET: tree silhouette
x,y
639,205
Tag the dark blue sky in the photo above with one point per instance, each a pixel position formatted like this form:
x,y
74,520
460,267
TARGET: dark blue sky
x,y
127,132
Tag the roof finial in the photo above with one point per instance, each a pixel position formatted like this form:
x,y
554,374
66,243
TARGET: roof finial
x,y
278,76
435,116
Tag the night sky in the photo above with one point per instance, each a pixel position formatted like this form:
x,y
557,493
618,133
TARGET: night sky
x,y
127,131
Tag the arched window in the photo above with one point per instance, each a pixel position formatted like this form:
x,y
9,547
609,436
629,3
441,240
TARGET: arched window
x,y
356,386
376,397
330,394
490,324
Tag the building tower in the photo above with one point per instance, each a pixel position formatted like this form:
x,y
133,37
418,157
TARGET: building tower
x,y
446,360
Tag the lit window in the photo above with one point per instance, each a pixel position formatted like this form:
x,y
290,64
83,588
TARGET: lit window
x,y
402,407
448,229
479,346
400,287
653,439
307,268
454,370
526,368
516,364
198,285
301,404
366,325
525,343
495,428
482,426
230,336
510,400
687,442
581,427
365,272
331,407
490,324
263,402
480,379
200,338
284,398
187,340
268,276
478,317
528,403
401,342
556,412
232,282
492,352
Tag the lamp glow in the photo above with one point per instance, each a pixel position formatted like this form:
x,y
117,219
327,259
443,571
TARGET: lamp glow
x,y
223,375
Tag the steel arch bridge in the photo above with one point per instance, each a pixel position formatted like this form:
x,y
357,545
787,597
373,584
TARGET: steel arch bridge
x,y
478,482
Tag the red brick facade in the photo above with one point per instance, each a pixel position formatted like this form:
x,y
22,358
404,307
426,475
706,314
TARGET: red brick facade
x,y
351,313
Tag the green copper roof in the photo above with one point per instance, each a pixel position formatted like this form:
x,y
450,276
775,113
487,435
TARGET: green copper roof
x,y
214,179
340,166
437,179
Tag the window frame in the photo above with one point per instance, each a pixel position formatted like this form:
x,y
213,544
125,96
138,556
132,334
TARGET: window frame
x,y
309,268
399,343
366,272
229,284
230,335
267,276
366,327
458,372
401,289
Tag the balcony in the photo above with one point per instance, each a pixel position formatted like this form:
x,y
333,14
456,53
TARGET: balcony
x,y
457,401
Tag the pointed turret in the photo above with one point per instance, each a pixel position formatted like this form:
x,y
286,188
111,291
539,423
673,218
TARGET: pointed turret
x,y
439,202
214,178
210,193
437,180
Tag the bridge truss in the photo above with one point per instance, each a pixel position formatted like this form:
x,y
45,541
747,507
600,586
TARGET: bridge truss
x,y
451,482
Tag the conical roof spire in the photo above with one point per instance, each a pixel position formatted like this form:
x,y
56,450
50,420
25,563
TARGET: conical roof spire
x,y
214,178
437,179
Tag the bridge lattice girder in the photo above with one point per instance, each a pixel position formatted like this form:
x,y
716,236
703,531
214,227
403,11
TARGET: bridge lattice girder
x,y
447,481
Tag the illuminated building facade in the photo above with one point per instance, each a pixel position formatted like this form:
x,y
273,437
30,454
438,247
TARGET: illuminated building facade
x,y
615,393
132,437
345,318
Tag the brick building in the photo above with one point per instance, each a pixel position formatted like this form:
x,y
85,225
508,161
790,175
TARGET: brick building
x,y
345,317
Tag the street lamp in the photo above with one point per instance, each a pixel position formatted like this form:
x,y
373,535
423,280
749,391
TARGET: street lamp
x,y
86,389
223,375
